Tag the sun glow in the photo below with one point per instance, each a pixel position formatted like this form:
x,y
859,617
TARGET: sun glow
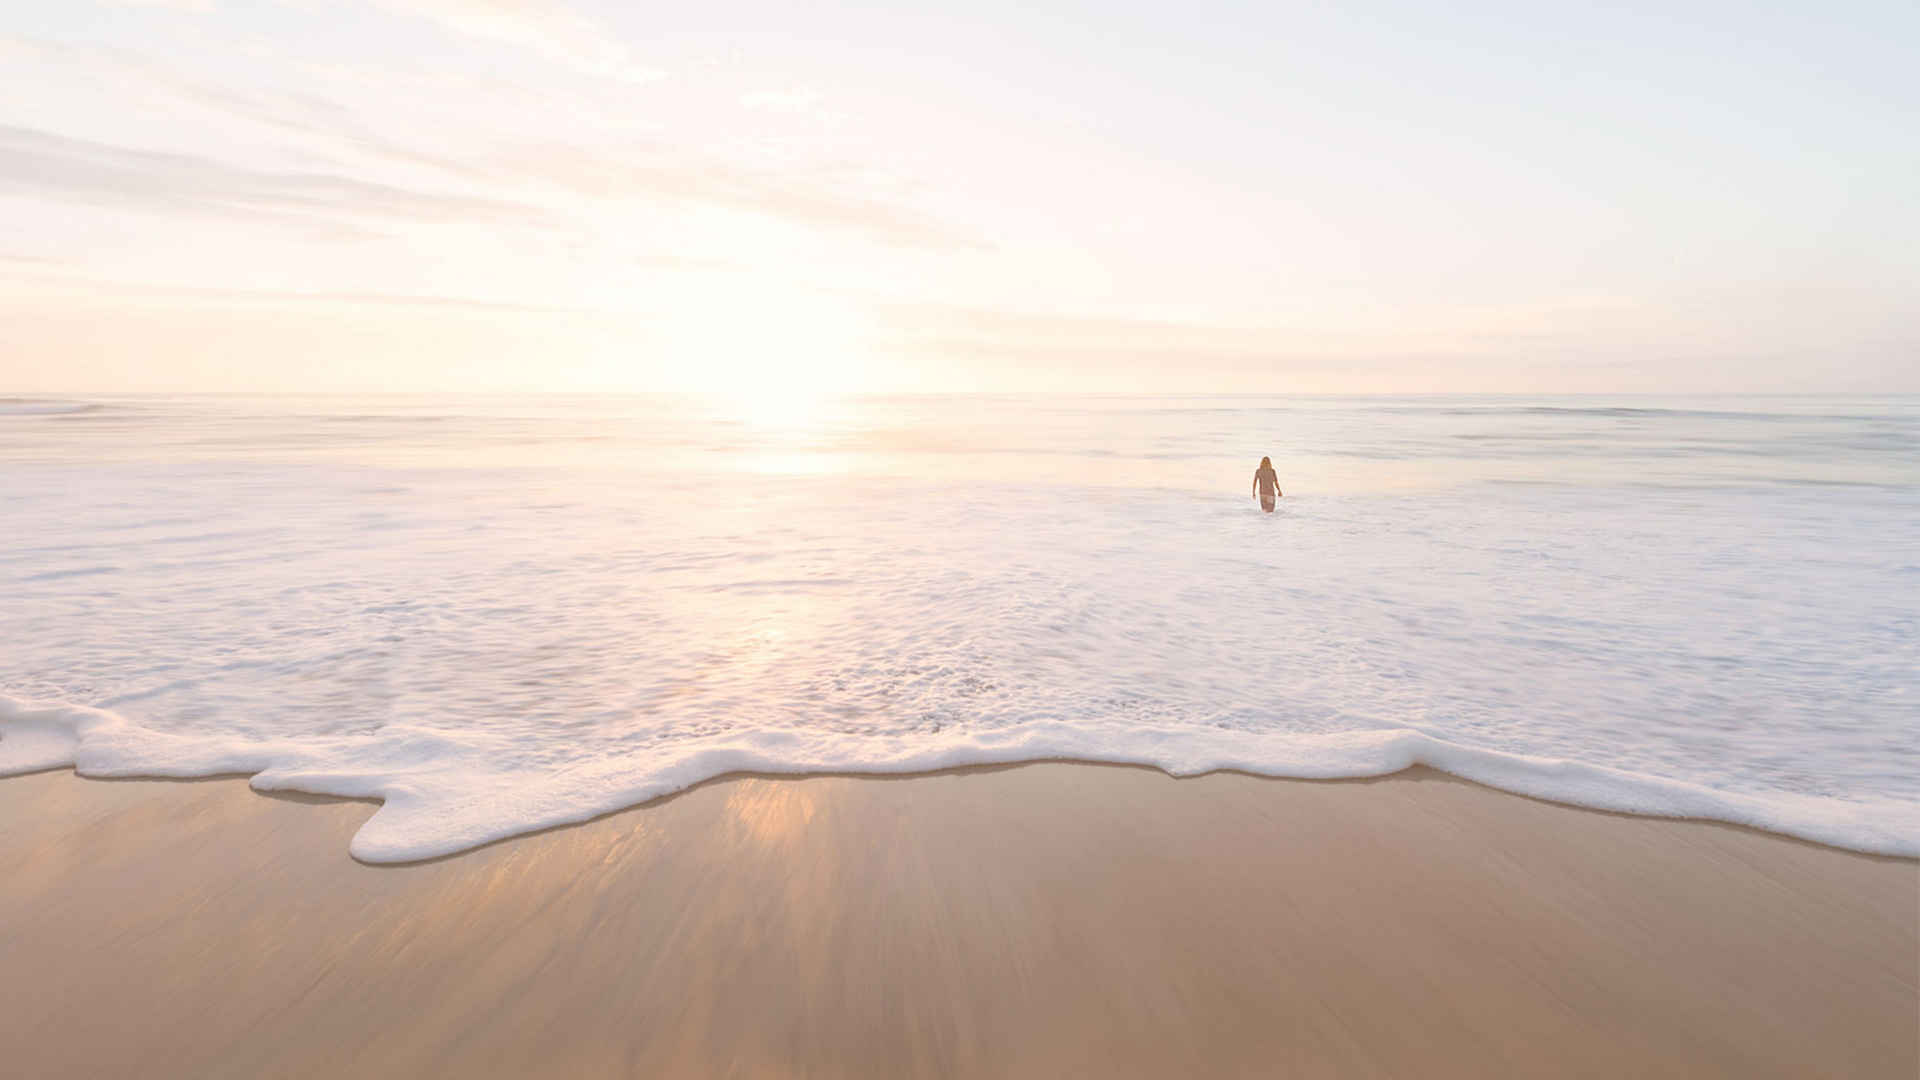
x,y
775,344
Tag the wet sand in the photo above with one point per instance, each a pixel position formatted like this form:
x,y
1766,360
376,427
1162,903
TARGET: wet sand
x,y
1047,920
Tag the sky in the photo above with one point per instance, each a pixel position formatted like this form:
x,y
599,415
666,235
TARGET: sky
x,y
570,195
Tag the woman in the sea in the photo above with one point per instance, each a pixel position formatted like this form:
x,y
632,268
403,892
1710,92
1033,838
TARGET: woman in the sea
x,y
1266,484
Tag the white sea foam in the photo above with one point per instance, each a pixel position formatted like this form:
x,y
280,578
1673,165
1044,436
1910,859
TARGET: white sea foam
x,y
439,798
501,616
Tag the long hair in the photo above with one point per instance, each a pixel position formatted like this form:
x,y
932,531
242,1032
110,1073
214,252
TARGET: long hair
x,y
1266,463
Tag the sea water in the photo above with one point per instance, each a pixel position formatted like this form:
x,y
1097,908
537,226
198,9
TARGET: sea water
x,y
498,614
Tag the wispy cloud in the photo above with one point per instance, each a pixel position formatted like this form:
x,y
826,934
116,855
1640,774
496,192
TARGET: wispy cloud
x,y
797,100
821,196
995,329
196,6
315,118
1074,343
548,27
48,165
836,196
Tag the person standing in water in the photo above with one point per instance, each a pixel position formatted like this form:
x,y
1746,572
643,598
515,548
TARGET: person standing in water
x,y
1266,484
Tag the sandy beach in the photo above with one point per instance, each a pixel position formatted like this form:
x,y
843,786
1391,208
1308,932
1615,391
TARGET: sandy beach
x,y
800,541
1047,920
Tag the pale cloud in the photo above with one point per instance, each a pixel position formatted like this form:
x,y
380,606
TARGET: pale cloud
x,y
198,7
65,287
550,28
799,100
511,164
800,103
313,117
51,166
547,27
1597,344
822,197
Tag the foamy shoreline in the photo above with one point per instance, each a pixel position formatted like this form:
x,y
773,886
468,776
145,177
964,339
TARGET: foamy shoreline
x,y
427,814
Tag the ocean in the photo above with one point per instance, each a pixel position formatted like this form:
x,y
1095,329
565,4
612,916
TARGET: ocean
x,y
503,613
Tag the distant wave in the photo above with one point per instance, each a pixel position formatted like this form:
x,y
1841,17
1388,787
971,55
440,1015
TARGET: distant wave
x,y
1405,408
1629,412
25,406
394,418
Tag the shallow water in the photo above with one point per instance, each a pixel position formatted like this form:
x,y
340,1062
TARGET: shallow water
x,y
503,613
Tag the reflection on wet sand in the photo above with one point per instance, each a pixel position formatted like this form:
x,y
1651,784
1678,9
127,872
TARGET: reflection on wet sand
x,y
770,812
1045,920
